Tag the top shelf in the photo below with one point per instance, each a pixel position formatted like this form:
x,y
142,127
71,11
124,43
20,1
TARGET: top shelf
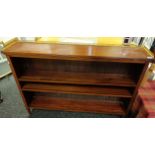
x,y
78,52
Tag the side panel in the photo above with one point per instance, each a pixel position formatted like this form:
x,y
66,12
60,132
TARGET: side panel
x,y
132,103
18,85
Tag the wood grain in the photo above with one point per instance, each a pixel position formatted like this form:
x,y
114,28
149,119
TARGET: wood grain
x,y
94,71
72,89
39,102
132,102
81,78
77,72
78,52
18,84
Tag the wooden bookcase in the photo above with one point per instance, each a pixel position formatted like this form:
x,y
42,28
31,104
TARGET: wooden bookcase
x,y
78,78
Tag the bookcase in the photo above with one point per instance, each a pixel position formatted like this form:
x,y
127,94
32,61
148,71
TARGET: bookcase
x,y
79,78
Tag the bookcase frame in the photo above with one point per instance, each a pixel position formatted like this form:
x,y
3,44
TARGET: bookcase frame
x,y
78,78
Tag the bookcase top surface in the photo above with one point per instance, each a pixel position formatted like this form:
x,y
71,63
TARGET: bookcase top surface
x,y
56,51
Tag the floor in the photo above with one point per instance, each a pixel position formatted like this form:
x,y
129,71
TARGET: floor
x,y
4,69
13,107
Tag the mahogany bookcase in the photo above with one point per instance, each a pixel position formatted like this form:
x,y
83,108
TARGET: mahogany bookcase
x,y
79,78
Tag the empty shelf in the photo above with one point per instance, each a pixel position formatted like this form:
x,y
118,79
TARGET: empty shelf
x,y
80,78
76,89
40,102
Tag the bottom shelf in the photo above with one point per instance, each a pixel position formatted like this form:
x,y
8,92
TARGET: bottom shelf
x,y
50,103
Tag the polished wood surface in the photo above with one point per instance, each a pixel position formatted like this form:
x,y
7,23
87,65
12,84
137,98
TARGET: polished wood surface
x,y
72,89
40,102
18,84
91,71
80,52
81,78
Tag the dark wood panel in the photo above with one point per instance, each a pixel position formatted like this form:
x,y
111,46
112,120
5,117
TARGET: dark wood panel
x,y
77,72
18,84
132,102
40,102
72,89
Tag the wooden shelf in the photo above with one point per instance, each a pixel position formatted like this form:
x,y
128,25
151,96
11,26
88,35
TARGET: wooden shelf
x,y
78,52
80,78
75,89
40,102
